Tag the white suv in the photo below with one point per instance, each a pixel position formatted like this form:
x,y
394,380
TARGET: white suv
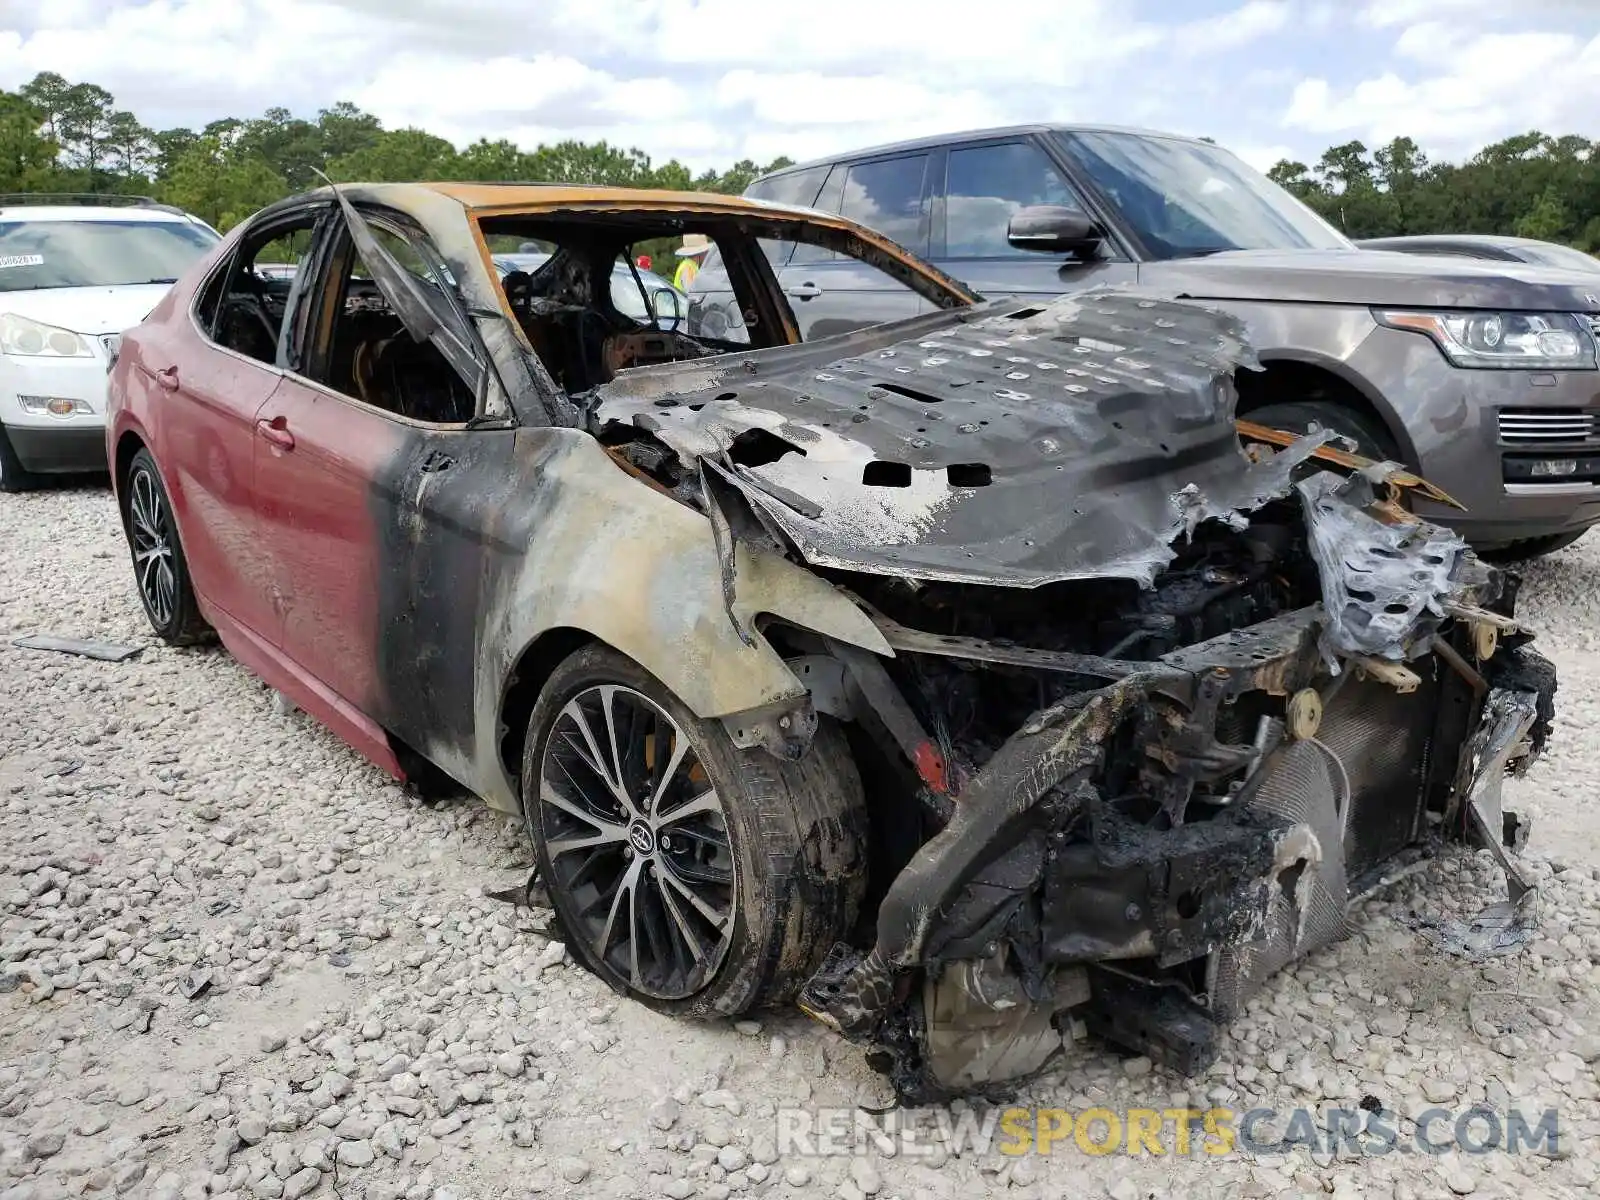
x,y
73,276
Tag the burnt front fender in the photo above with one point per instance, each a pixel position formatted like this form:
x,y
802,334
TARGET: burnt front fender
x,y
587,546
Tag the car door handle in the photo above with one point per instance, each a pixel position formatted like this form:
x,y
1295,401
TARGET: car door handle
x,y
804,291
277,432
168,378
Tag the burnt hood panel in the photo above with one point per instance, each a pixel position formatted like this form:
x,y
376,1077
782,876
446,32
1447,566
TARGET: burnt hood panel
x,y
1025,446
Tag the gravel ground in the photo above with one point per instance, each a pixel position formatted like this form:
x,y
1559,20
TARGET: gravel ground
x,y
235,960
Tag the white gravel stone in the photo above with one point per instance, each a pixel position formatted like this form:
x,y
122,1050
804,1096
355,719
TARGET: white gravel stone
x,y
355,1154
573,1169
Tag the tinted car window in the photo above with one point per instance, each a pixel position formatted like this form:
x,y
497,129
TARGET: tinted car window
x,y
798,188
984,185
887,196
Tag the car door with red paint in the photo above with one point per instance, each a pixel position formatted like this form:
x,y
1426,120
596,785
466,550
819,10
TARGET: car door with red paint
x,y
368,400
211,371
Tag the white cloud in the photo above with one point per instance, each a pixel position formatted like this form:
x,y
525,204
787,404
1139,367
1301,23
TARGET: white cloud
x,y
1475,86
711,81
1248,23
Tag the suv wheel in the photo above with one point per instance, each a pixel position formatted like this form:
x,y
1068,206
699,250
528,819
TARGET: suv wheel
x,y
697,877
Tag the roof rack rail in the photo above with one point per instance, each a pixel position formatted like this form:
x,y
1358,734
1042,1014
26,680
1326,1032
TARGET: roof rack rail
x,y
105,198
94,199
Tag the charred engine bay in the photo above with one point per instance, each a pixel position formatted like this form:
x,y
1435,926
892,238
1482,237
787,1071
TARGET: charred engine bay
x,y
1221,580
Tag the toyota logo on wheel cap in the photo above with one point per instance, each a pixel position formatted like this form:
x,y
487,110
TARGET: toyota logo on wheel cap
x,y
641,837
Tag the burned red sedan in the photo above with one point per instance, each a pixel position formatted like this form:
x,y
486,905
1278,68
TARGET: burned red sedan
x,y
958,678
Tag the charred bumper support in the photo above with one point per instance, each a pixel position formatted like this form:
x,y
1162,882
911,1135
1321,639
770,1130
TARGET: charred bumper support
x,y
1100,929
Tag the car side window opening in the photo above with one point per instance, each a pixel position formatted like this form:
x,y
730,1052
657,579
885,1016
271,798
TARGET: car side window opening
x,y
242,309
370,356
886,196
985,185
584,305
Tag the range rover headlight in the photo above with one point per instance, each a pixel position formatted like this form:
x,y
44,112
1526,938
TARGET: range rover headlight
x,y
1525,341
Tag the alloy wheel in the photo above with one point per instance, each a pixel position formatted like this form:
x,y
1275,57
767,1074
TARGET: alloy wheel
x,y
637,842
152,549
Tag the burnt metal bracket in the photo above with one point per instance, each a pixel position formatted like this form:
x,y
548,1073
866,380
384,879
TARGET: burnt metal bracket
x,y
1159,1022
784,730
865,673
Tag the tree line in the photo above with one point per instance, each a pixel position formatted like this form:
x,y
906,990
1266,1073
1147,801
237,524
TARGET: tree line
x,y
57,136
1531,185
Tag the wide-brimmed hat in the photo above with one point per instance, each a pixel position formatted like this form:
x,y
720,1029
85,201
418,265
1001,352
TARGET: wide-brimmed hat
x,y
693,243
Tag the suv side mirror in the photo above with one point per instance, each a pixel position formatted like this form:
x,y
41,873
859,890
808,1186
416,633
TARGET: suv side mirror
x,y
1055,229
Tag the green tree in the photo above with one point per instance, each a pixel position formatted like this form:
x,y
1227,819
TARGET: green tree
x,y
346,129
47,93
499,160
170,146
85,129
396,156
130,146
27,156
1547,220
1296,177
219,185
294,148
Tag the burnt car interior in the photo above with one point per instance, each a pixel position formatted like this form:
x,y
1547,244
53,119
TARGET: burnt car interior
x,y
244,309
366,350
566,310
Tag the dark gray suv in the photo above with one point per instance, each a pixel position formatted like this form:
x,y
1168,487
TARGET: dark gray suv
x,y
1481,376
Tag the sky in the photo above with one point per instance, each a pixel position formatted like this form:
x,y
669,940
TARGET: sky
x,y
712,81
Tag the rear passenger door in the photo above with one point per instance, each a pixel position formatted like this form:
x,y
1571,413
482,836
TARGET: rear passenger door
x,y
831,293
982,184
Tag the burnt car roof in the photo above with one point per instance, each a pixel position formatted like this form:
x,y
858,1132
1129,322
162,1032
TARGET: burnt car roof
x,y
1009,444
480,198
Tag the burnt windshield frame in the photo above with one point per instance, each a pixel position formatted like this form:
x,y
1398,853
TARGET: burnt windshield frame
x,y
1130,171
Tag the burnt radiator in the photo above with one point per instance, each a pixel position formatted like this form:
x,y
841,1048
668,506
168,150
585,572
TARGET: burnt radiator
x,y
1384,740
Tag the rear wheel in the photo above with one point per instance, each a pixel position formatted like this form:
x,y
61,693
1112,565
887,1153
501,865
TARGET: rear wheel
x,y
14,477
160,570
694,876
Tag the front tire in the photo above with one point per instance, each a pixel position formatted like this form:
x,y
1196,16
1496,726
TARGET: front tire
x,y
160,571
699,878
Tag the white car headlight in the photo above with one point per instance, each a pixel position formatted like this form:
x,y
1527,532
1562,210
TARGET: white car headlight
x,y
27,338
1526,341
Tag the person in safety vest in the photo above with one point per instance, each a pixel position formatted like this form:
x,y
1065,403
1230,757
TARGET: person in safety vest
x,y
693,253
